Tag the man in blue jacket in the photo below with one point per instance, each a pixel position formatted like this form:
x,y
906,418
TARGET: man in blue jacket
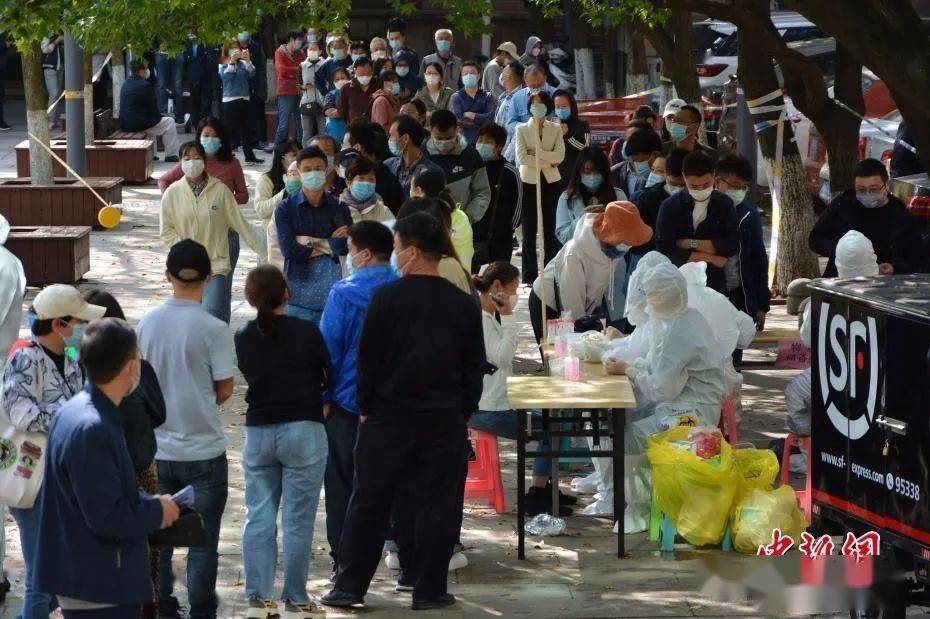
x,y
747,272
92,548
138,110
370,245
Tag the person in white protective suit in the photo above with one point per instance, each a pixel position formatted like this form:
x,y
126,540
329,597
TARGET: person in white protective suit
x,y
681,378
855,257
600,481
12,290
732,328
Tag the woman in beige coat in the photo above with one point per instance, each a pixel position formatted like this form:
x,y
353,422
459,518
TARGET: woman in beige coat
x,y
539,151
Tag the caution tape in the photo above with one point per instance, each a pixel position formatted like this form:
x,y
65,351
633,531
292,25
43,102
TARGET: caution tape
x,y
910,148
78,94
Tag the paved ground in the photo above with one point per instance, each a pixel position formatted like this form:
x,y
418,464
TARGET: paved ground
x,y
574,575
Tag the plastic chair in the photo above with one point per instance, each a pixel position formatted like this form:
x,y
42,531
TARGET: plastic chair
x,y
20,343
484,472
804,443
728,421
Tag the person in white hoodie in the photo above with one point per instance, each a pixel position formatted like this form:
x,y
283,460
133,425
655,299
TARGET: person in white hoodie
x,y
855,257
12,291
581,274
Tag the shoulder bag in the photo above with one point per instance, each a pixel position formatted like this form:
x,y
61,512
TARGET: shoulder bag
x,y
22,458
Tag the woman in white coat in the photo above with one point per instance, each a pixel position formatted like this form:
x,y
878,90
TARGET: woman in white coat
x,y
539,151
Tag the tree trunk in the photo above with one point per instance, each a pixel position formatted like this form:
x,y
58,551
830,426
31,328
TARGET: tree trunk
x,y
118,69
792,212
636,68
610,62
40,162
581,35
88,97
840,129
673,44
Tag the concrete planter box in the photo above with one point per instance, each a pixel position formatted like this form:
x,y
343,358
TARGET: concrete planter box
x,y
132,160
51,254
66,203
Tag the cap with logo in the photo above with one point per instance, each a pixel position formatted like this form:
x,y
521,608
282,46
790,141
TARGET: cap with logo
x,y
60,300
673,107
188,261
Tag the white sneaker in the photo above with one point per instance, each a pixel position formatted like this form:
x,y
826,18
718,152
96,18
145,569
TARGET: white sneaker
x,y
599,508
392,560
458,561
586,485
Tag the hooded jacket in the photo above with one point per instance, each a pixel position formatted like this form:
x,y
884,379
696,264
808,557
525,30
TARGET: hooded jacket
x,y
528,58
581,272
383,109
466,177
342,325
730,327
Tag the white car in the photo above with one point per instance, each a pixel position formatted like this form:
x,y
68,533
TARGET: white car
x,y
720,60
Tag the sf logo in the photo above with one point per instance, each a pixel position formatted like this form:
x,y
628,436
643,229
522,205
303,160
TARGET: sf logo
x,y
848,361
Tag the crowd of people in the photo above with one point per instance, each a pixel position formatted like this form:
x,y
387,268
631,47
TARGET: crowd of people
x,y
383,329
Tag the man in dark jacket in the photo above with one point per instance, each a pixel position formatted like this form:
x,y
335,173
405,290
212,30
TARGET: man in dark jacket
x,y
904,161
466,175
877,214
421,364
747,272
202,72
92,549
667,179
493,234
138,110
699,225
369,263
367,139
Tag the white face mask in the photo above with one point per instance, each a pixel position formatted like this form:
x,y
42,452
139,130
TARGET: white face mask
x,y
341,83
192,168
147,75
432,80
701,195
737,195
364,80
313,55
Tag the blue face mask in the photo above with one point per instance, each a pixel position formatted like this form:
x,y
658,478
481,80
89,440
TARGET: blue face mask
x,y
77,333
298,44
673,189
350,265
592,182
537,110
654,179
362,190
243,37
394,148
563,113
869,199
292,186
394,266
395,89
642,167
470,80
395,43
313,180
677,131
443,45
211,146
339,54
486,150
403,71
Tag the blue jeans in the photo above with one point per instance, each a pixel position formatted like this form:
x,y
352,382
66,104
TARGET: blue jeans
x,y
504,423
281,461
210,479
217,296
305,313
36,605
288,105
169,72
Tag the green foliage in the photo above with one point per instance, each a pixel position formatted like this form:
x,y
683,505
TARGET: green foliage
x,y
465,17
609,13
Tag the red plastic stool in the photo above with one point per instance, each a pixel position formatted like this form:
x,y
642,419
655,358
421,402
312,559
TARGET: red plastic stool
x,y
484,473
804,443
728,421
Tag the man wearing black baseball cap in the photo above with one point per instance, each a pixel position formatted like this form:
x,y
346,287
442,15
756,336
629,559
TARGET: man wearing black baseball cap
x,y
192,353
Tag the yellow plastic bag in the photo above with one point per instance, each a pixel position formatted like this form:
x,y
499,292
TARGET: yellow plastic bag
x,y
696,494
762,511
757,468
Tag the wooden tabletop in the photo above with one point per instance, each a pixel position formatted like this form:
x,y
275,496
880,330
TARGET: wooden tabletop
x,y
596,389
772,336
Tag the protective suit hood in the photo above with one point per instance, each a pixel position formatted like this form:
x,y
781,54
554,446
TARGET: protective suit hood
x,y
695,273
666,292
730,327
635,310
4,229
855,256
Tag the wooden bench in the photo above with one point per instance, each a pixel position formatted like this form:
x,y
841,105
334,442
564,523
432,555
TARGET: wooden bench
x,y
132,160
66,203
51,254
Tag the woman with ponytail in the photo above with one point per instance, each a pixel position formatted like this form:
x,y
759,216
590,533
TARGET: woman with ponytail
x,y
497,289
286,365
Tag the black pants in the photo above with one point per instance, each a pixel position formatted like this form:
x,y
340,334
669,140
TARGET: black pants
x,y
550,197
201,102
2,88
341,433
426,462
236,115
257,120
535,309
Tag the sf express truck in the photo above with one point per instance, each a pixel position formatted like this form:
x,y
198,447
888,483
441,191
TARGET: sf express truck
x,y
870,460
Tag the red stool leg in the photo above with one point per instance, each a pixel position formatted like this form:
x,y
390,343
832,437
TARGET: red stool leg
x,y
808,482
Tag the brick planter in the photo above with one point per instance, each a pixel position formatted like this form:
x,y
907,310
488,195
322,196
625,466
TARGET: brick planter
x,y
66,203
130,159
51,254
271,126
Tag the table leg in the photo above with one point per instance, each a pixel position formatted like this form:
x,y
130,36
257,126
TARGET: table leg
x,y
555,467
521,481
618,417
